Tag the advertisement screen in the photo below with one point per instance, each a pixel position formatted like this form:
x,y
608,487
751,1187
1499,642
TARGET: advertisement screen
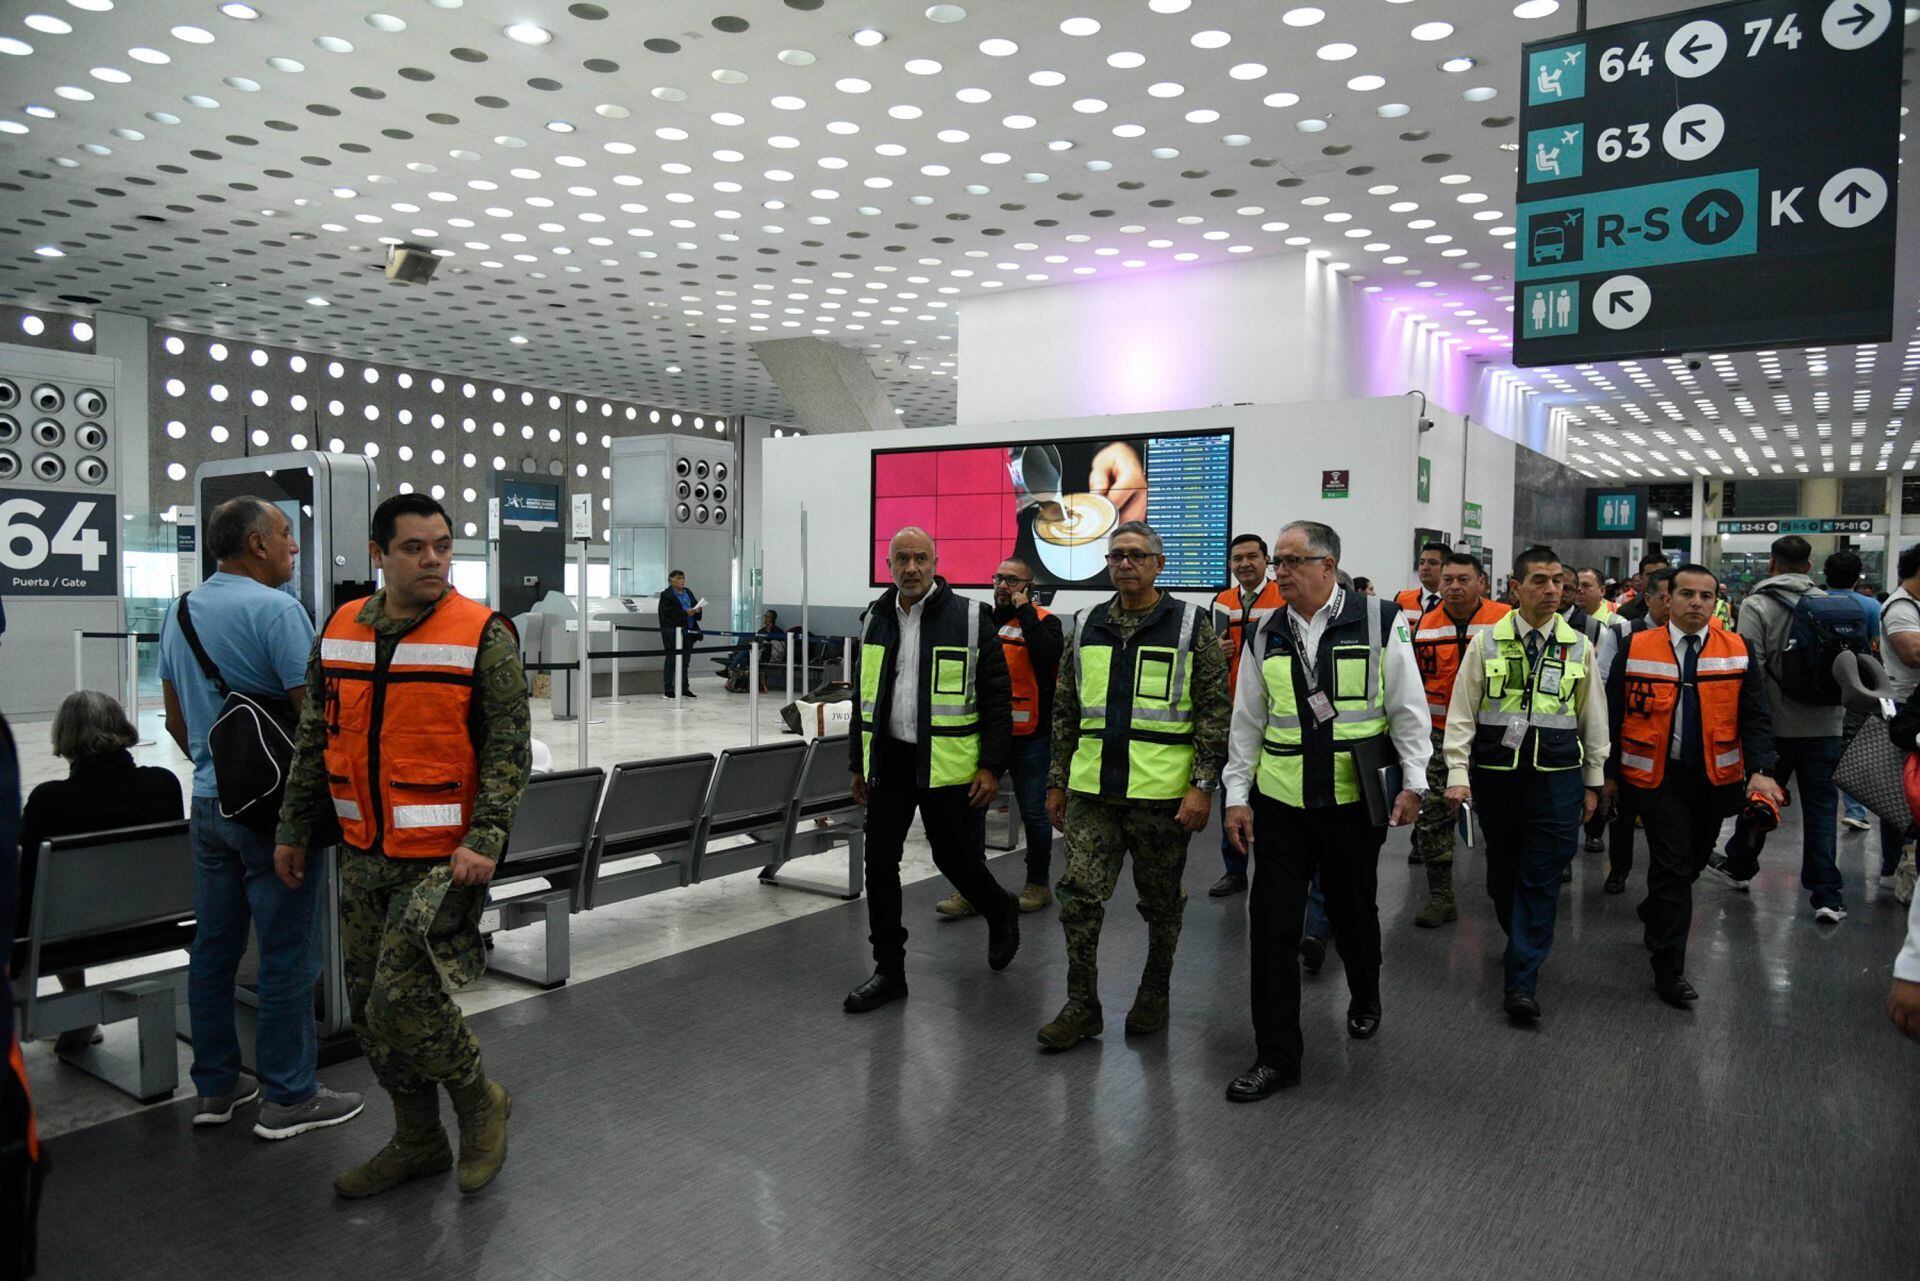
x,y
1055,504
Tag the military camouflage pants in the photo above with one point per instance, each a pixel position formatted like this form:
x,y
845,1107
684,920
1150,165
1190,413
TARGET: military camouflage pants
x,y
1433,830
411,1030
1100,834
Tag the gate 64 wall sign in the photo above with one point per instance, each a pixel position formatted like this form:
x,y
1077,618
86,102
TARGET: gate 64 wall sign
x,y
58,543
1720,178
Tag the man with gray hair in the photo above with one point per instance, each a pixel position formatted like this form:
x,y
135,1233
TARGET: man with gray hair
x,y
1335,700
256,637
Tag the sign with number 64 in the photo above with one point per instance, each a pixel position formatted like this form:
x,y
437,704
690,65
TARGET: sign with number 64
x,y
58,544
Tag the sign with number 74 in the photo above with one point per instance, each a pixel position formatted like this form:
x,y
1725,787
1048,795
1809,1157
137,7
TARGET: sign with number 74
x,y
54,543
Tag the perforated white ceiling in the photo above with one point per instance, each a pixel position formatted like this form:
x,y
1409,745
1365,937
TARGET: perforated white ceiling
x,y
627,194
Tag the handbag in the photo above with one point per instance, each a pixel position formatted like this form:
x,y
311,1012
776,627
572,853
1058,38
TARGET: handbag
x,y
1878,774
251,742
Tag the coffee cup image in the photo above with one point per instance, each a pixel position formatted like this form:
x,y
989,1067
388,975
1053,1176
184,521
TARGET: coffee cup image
x,y
1071,535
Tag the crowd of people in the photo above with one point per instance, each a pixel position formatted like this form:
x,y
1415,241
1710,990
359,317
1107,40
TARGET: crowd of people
x,y
1317,717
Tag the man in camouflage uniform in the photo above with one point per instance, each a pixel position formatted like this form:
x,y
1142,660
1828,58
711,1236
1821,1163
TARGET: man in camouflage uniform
x,y
410,921
1115,792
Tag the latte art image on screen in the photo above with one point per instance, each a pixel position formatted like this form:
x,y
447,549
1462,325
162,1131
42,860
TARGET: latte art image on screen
x,y
1055,504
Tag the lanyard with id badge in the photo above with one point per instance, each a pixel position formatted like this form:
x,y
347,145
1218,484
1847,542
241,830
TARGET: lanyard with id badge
x,y
1319,705
1545,679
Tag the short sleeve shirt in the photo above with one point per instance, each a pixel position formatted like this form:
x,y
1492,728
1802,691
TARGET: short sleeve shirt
x,y
257,636
1900,613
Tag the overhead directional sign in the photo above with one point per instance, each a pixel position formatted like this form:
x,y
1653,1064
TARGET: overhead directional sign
x,y
1710,180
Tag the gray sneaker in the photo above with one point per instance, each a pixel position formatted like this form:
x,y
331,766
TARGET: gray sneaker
x,y
284,1120
217,1109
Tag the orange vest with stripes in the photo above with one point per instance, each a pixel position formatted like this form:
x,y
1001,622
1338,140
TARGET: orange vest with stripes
x,y
1653,691
1240,622
1412,603
1026,686
401,763
1438,645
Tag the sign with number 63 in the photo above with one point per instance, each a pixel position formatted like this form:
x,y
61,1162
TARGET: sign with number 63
x,y
58,544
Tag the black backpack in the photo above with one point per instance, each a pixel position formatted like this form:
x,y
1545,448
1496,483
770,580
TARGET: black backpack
x,y
251,742
1819,629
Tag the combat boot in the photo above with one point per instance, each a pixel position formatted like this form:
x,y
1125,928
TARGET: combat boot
x,y
418,1148
1149,1012
1440,907
1074,1024
484,1107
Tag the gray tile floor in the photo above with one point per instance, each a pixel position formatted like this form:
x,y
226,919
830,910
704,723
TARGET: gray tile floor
x,y
713,1114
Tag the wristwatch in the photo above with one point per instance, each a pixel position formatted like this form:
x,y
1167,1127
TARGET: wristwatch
x,y
1209,786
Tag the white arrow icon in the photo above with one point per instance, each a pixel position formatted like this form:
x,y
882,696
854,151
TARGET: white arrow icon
x,y
1855,24
1853,197
1696,48
1693,132
1622,302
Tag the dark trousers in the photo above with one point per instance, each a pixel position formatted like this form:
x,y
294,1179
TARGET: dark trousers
x,y
1289,846
1682,818
679,647
1810,762
1531,819
892,798
1620,843
1027,765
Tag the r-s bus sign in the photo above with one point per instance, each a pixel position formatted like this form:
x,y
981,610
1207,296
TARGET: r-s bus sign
x,y
56,543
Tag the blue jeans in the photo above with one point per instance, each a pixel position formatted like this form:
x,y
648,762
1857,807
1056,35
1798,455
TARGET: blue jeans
x,y
1028,763
1812,760
233,885
1850,808
1531,821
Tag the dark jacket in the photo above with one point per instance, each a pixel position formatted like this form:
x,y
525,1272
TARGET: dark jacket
x,y
1045,641
99,794
1904,728
9,855
674,617
1756,720
992,693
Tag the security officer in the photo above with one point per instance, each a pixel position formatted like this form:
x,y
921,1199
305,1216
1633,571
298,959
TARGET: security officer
x,y
1237,614
1444,634
1659,600
1416,601
1337,703
1527,733
1692,734
930,733
1139,731
414,734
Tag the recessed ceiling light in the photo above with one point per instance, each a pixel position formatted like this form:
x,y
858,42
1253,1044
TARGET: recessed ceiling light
x,y
73,93
49,251
18,48
1080,26
1453,66
1046,79
1305,16
998,48
1392,110
1312,124
1481,93
1248,71
334,44
1126,60
1366,84
317,301
1338,51
867,37
922,67
50,25
111,75
144,54
1433,31
1536,8
528,33
386,22
193,35
797,57
1210,39
1167,89
1281,99
946,13
292,66
1169,6
242,12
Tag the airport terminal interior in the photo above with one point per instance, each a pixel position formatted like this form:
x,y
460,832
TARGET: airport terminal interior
x,y
776,377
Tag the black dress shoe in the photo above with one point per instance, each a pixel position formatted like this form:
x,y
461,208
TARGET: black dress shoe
x,y
1362,1024
1593,845
689,693
1257,1082
1676,991
1313,953
1566,874
1615,885
1521,1007
875,992
1003,940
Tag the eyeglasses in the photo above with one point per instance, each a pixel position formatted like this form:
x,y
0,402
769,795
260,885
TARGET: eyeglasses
x,y
1010,580
1128,557
1296,562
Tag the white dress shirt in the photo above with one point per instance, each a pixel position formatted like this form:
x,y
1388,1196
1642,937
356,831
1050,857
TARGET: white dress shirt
x,y
1408,722
1679,641
904,711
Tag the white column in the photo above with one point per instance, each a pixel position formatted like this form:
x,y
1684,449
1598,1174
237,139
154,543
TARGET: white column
x,y
1896,484
1697,522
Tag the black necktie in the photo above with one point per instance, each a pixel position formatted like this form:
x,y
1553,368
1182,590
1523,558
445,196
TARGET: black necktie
x,y
1433,603
1533,651
1692,751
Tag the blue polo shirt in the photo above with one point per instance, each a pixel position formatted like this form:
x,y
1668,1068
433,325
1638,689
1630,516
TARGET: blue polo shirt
x,y
259,638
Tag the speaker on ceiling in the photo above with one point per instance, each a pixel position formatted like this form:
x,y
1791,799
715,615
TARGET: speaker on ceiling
x,y
49,468
90,471
410,264
9,429
9,464
9,393
90,436
49,433
48,399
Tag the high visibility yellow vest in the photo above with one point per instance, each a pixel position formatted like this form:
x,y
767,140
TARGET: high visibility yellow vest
x,y
1515,695
1136,705
950,642
1348,668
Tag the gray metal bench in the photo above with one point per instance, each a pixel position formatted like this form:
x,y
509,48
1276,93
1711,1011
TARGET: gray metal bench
x,y
752,792
651,810
101,899
552,836
821,816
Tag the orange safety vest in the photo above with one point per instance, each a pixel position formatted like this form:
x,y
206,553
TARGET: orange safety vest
x,y
1269,601
1026,686
1412,603
1438,645
1653,691
400,756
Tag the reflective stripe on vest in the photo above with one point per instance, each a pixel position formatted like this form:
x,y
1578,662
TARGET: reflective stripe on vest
x,y
1236,621
1512,696
1653,692
401,765
951,735
1136,721
1352,674
1021,678
1437,650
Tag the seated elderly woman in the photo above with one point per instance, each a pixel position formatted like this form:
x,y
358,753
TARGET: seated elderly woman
x,y
103,790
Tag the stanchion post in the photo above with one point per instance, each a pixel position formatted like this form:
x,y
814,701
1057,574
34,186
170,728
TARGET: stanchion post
x,y
79,674
613,630
846,660
133,689
680,670
583,697
753,692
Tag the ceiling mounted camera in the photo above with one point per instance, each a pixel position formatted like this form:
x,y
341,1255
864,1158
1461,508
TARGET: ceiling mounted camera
x,y
410,264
